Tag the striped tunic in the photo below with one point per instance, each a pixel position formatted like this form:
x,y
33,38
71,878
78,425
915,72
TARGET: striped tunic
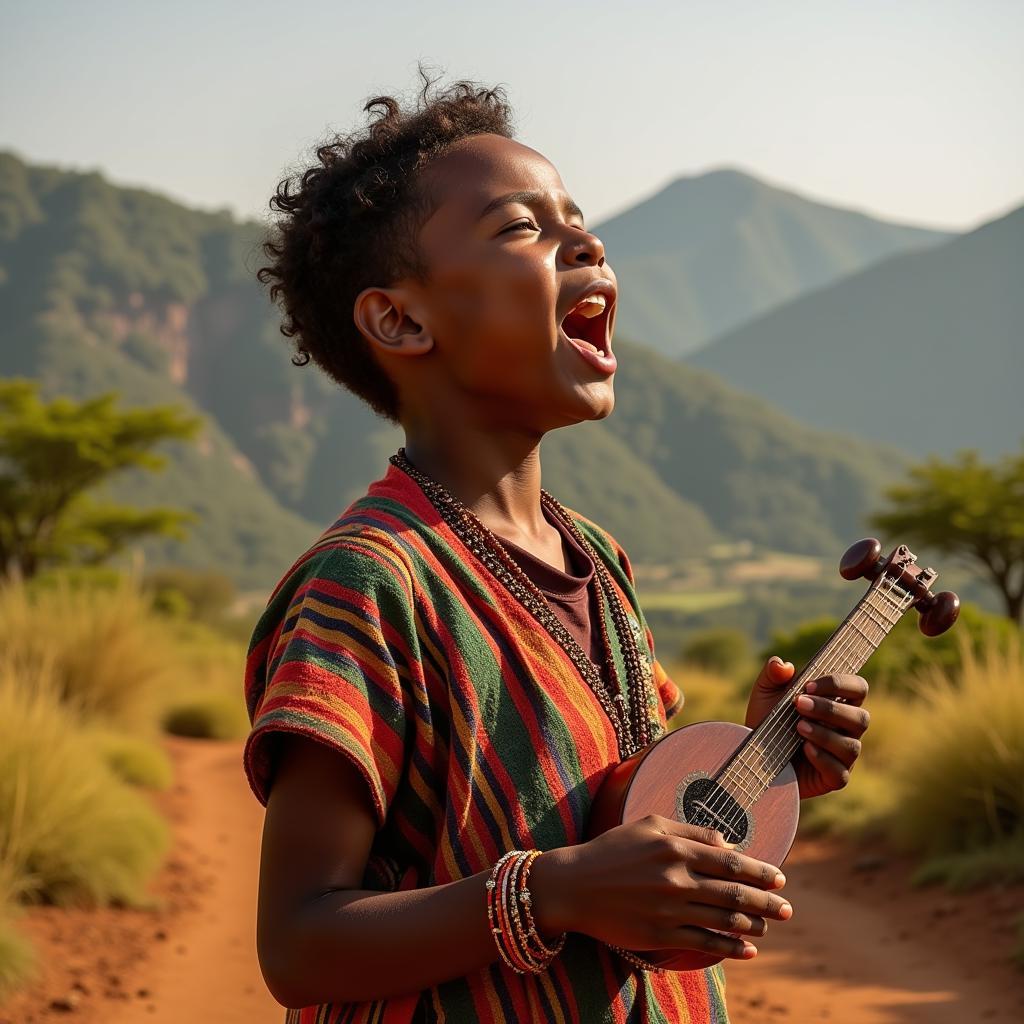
x,y
391,643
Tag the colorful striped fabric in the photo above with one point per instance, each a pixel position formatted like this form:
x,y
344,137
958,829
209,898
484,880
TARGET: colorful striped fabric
x,y
390,642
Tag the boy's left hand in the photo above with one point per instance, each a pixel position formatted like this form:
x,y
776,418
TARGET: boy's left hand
x,y
831,730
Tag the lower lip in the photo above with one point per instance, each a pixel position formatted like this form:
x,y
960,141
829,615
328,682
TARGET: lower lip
x,y
605,364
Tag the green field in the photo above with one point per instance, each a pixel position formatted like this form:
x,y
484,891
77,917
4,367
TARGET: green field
x,y
690,600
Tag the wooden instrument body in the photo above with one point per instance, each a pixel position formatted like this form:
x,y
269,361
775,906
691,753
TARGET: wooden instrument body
x,y
740,782
652,782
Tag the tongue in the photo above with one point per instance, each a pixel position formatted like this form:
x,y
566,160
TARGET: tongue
x,y
586,344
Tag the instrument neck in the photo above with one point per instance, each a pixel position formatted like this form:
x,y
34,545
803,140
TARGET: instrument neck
x,y
769,748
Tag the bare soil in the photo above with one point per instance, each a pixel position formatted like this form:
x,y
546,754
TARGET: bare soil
x,y
863,947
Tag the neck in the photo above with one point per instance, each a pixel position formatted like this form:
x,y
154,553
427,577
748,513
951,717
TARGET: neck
x,y
497,475
772,744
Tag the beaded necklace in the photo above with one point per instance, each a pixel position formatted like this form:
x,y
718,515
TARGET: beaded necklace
x,y
630,708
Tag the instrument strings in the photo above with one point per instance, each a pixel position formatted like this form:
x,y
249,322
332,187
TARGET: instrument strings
x,y
780,721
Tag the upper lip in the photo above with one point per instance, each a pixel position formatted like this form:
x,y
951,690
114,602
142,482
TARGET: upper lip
x,y
602,286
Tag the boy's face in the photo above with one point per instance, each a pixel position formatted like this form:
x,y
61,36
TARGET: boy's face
x,y
507,259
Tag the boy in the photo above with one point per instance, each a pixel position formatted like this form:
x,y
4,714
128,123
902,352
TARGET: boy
x,y
440,683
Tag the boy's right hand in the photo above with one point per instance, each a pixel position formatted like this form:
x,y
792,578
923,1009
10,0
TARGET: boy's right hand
x,y
657,883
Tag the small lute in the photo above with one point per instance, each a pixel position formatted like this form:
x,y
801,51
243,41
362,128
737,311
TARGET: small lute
x,y
741,781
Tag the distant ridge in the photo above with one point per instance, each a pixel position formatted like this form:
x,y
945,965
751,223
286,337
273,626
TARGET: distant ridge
x,y
924,350
709,252
104,288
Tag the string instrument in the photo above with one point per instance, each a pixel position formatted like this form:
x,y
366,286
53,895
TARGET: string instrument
x,y
741,781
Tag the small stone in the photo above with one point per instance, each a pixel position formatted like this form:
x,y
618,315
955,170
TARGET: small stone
x,y
65,1004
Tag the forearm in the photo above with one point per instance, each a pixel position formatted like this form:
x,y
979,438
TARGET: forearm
x,y
354,945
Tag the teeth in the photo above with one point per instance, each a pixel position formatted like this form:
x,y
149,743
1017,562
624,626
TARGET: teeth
x,y
591,306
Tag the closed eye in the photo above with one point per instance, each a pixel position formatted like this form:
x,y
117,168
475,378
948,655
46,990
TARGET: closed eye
x,y
518,225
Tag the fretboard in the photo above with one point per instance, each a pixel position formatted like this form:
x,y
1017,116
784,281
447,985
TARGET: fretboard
x,y
770,746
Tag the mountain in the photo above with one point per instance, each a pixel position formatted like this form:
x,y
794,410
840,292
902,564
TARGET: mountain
x,y
755,473
924,350
709,252
97,288
105,288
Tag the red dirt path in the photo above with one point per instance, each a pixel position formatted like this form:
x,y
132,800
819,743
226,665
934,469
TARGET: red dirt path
x,y
860,949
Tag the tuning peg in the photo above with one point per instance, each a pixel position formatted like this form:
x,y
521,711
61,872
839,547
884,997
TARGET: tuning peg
x,y
862,559
938,612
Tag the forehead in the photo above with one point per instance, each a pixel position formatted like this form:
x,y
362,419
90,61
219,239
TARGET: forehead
x,y
479,168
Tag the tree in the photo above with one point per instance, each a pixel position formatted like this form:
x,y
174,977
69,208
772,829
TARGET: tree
x,y
52,454
969,508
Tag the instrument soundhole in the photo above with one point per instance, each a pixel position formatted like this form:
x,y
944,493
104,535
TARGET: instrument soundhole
x,y
707,804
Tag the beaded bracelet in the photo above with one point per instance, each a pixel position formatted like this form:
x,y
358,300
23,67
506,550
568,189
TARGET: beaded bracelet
x,y
519,944
636,961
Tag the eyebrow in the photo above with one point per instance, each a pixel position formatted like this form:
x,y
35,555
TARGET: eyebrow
x,y
528,198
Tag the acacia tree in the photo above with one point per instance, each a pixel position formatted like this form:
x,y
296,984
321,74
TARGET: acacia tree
x,y
53,453
969,508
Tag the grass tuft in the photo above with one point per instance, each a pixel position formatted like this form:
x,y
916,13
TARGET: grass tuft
x,y
71,832
959,772
19,963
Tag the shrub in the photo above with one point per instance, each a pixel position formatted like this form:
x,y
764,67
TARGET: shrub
x,y
71,833
134,760
202,594
723,650
960,770
214,715
108,653
906,652
710,697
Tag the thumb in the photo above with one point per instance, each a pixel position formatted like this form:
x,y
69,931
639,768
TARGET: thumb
x,y
775,674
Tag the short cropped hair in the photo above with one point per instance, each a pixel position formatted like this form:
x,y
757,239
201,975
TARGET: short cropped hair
x,y
351,221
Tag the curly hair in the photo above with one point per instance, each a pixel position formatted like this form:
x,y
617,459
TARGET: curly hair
x,y
351,221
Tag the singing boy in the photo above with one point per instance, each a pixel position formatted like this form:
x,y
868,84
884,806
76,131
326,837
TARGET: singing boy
x,y
440,683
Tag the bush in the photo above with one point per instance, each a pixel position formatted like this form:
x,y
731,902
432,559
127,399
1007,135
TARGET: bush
x,y
201,594
723,650
959,772
217,716
136,761
906,652
109,655
709,697
71,833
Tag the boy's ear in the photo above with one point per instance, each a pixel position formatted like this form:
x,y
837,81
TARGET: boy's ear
x,y
380,315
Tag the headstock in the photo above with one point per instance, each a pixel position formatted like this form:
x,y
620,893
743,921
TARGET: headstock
x,y
864,560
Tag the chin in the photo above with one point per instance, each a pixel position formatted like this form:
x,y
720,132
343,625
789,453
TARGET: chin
x,y
588,407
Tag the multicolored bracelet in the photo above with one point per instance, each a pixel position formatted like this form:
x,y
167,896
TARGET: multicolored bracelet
x,y
510,916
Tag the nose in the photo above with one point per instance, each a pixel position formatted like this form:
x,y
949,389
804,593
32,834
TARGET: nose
x,y
583,249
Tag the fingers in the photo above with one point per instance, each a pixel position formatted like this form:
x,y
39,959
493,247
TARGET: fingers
x,y
710,942
722,920
846,718
743,899
834,772
729,864
774,673
852,689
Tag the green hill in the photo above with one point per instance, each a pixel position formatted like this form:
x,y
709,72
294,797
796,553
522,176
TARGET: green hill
x,y
924,350
710,252
106,288
96,285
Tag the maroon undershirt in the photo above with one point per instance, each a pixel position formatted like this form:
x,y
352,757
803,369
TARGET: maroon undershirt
x,y
570,594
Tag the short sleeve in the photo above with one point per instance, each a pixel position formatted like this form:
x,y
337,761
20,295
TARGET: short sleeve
x,y
334,658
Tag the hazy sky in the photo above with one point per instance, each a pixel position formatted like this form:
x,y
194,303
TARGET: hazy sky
x,y
909,109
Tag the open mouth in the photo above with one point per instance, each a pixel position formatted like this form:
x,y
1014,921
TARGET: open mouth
x,y
586,323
